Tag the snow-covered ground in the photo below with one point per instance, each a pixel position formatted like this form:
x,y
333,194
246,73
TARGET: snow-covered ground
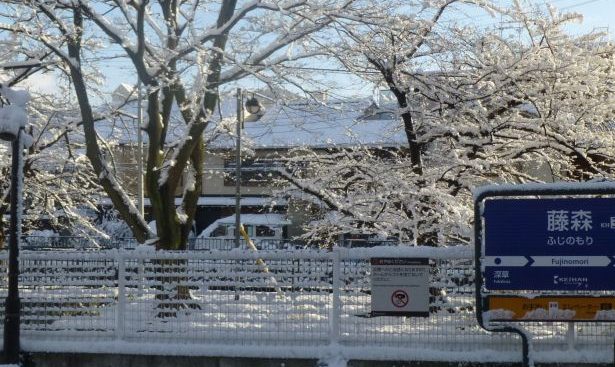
x,y
118,300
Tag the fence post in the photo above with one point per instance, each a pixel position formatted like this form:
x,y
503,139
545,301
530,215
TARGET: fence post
x,y
121,296
336,306
570,335
140,276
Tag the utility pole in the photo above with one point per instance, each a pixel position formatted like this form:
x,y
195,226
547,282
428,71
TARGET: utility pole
x,y
238,166
12,306
140,150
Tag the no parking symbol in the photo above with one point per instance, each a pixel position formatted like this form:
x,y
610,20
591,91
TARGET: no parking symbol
x,y
400,286
400,298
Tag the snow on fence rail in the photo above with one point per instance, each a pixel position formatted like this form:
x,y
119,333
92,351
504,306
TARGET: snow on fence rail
x,y
204,244
309,304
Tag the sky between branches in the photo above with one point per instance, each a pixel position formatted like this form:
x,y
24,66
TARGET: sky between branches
x,y
597,15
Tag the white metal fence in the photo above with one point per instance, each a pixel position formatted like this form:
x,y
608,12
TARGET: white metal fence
x,y
308,304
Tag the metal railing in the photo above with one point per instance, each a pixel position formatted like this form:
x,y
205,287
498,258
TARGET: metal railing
x,y
208,244
301,304
35,243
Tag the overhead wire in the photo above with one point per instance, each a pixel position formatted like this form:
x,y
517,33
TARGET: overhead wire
x,y
115,58
580,4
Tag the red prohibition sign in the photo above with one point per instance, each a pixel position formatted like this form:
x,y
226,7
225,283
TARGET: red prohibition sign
x,y
400,298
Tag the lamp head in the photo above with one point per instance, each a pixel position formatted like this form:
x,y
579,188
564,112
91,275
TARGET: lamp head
x,y
7,136
253,106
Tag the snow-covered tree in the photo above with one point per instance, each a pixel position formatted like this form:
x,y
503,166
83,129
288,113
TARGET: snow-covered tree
x,y
374,191
540,97
59,185
477,105
183,51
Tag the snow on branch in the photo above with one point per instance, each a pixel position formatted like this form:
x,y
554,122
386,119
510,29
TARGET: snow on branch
x,y
13,114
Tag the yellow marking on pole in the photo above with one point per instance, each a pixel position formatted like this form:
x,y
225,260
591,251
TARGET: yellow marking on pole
x,y
259,261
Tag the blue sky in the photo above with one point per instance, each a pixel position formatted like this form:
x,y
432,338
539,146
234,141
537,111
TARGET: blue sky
x,y
598,14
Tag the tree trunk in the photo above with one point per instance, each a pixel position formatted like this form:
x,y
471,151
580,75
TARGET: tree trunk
x,y
109,183
171,295
413,145
2,234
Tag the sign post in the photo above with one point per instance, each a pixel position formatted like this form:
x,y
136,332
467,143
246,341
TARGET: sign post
x,y
400,287
551,242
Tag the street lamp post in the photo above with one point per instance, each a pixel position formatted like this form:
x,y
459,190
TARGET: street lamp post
x,y
253,106
12,304
238,165
140,195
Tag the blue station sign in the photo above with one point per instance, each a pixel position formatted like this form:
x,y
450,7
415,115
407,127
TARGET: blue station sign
x,y
564,244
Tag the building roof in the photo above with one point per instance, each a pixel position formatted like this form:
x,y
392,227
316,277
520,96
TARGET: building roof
x,y
258,201
256,219
338,123
316,125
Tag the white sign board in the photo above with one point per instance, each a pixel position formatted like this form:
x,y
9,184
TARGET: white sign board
x,y
400,286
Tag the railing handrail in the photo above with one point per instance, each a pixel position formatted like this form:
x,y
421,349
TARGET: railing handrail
x,y
442,253
194,243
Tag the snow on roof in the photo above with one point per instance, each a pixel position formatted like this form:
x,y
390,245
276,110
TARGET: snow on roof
x,y
256,219
20,64
284,125
247,219
316,125
221,201
124,90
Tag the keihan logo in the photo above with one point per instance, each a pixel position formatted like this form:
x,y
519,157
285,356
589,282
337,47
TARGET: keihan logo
x,y
576,281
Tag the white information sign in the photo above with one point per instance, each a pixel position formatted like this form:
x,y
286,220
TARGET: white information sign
x,y
400,286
